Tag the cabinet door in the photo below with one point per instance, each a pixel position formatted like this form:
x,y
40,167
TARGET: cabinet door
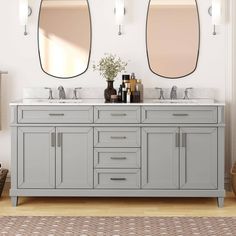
x,y
36,157
160,158
74,160
198,158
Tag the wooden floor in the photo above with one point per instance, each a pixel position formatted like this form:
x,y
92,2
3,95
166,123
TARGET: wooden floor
x,y
117,206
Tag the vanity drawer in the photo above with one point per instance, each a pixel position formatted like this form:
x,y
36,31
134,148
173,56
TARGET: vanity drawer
x,y
117,179
170,114
116,137
117,114
55,114
117,158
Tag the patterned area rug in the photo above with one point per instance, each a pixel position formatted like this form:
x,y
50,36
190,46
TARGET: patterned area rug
x,y
117,226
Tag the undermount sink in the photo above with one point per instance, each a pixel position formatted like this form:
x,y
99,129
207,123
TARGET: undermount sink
x,y
52,100
183,101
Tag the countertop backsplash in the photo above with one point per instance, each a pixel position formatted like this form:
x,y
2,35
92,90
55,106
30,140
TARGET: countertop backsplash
x,y
86,93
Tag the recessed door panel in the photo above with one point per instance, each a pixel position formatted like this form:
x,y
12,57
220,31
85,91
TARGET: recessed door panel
x,y
160,158
36,157
74,162
198,158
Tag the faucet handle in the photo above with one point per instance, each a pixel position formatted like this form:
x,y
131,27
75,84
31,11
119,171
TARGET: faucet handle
x,y
50,92
186,92
161,92
75,92
189,88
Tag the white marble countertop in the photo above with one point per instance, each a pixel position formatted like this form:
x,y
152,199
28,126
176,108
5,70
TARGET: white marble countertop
x,y
100,102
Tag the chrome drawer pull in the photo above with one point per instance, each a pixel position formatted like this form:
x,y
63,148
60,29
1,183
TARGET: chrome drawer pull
x,y
118,179
118,137
180,114
114,114
58,114
118,158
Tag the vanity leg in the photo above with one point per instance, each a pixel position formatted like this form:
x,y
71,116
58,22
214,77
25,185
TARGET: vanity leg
x,y
14,201
220,201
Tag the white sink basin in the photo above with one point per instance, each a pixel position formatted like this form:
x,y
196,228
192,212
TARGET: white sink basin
x,y
54,101
183,101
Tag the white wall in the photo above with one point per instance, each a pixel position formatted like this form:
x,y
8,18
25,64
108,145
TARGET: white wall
x,y
18,54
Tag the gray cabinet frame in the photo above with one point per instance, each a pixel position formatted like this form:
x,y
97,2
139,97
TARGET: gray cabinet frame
x,y
178,187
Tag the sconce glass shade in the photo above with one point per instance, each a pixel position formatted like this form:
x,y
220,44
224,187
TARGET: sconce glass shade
x,y
120,11
23,12
218,12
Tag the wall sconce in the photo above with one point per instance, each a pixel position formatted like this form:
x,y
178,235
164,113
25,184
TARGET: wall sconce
x,y
119,13
217,12
24,12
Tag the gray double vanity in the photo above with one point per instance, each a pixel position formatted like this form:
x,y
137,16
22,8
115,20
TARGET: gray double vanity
x,y
85,147
88,148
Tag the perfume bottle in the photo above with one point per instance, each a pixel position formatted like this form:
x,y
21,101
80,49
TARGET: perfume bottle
x,y
132,83
128,96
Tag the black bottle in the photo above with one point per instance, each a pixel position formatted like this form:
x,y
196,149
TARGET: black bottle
x,y
124,95
125,77
120,94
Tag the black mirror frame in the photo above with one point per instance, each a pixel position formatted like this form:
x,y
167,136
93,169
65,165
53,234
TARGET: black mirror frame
x,y
89,57
198,53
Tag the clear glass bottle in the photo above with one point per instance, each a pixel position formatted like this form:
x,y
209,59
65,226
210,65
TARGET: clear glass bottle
x,y
139,88
136,97
128,96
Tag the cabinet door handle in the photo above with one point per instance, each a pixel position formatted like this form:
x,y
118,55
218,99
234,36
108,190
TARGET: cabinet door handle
x,y
177,140
118,137
53,139
120,114
118,179
56,114
59,139
118,158
176,114
184,139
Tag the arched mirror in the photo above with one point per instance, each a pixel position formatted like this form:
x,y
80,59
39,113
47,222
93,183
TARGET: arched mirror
x,y
173,37
64,37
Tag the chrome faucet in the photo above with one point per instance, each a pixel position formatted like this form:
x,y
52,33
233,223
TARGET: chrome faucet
x,y
62,94
50,93
173,93
75,96
186,95
161,97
